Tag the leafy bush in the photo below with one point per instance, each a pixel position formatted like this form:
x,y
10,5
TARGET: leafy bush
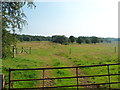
x,y
7,40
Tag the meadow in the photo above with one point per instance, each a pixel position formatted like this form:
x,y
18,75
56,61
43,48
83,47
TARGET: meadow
x,y
47,54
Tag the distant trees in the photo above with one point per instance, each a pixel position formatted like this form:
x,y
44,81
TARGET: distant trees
x,y
94,40
33,38
60,39
72,39
64,40
87,40
79,40
100,40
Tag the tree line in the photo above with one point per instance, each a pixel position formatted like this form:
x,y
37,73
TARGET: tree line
x,y
63,39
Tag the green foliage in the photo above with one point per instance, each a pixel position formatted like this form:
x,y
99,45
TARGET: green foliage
x,y
13,16
20,63
7,40
60,39
32,38
79,40
95,40
87,40
100,40
13,19
72,39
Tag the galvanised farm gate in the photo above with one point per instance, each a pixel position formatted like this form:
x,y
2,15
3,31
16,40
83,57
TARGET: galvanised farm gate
x,y
107,66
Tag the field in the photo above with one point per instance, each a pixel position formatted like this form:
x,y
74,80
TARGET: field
x,y
47,54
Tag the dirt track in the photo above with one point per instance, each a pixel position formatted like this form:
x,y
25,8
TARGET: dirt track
x,y
67,62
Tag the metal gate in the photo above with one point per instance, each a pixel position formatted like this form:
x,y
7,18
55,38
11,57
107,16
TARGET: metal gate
x,y
76,77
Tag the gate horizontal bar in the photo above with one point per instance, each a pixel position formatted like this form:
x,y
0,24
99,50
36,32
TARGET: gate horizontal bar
x,y
64,86
63,77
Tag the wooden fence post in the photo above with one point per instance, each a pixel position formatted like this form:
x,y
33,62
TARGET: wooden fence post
x,y
70,51
22,50
30,50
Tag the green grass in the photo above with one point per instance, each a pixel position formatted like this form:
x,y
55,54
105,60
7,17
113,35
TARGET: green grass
x,y
17,63
62,73
46,54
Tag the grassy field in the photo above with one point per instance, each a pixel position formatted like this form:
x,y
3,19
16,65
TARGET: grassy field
x,y
47,54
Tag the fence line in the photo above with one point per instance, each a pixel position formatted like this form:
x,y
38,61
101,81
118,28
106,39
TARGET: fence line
x,y
15,50
77,76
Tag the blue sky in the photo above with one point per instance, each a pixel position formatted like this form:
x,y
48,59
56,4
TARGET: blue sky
x,y
78,18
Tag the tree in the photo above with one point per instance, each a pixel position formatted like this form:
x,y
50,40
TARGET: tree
x,y
60,39
87,40
101,40
13,16
95,40
79,40
7,40
13,19
72,39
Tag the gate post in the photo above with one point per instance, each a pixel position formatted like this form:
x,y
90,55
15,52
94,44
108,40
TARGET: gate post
x,y
43,79
108,75
77,76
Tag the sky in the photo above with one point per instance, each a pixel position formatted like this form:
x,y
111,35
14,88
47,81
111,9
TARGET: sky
x,y
73,17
